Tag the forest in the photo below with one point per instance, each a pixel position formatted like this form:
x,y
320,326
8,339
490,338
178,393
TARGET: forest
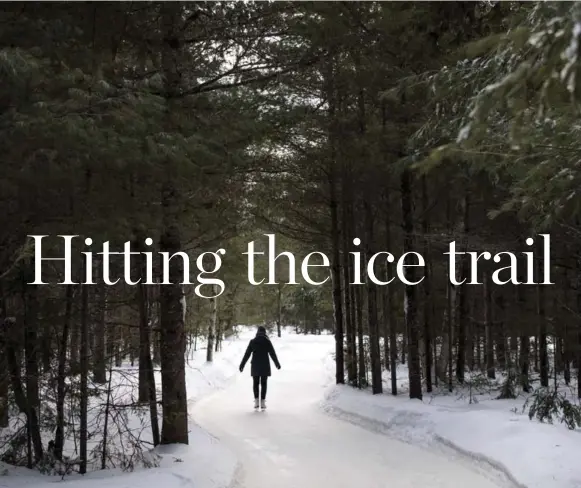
x,y
208,125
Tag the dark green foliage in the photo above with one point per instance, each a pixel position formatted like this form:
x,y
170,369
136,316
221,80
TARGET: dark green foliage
x,y
207,125
546,405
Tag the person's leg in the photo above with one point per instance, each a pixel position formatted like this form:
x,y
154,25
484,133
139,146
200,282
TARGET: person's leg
x,y
263,383
255,383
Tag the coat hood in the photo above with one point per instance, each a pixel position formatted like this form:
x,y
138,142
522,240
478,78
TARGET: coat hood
x,y
261,331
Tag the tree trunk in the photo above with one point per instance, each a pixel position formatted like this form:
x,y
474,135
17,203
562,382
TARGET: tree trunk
x,y
463,298
488,324
376,382
61,376
173,349
389,319
4,384
218,328
568,339
335,240
84,391
479,349
426,288
100,362
20,398
351,358
353,318
542,340
4,376
74,345
385,325
120,349
393,346
404,344
471,337
278,310
144,346
212,328
46,347
524,354
106,419
156,321
446,367
173,337
524,363
513,346
31,345
500,334
410,306
144,323
145,356
558,341
579,351
450,313
362,381
578,338
147,387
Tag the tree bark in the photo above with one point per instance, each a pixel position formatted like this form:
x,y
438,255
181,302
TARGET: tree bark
x,y
472,337
20,398
149,379
578,341
4,376
173,349
46,347
147,387
31,348
568,339
376,382
61,375
172,299
351,358
278,310
463,298
84,391
427,288
362,370
335,237
410,306
500,334
100,363
488,321
524,354
212,329
155,319
542,340
446,356
74,343
390,323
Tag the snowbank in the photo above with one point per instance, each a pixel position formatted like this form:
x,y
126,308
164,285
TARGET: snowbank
x,y
204,378
494,432
204,463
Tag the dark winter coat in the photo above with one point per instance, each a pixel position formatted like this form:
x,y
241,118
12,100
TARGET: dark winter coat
x,y
260,348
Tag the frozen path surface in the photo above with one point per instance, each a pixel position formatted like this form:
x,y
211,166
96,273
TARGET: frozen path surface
x,y
295,445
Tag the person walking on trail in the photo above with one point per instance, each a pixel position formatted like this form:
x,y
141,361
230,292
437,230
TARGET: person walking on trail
x,y
260,348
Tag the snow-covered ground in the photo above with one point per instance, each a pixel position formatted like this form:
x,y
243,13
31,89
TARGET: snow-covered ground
x,y
204,463
493,432
295,444
315,433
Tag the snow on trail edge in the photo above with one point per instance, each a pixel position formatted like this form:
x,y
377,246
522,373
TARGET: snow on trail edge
x,y
489,435
528,453
204,463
